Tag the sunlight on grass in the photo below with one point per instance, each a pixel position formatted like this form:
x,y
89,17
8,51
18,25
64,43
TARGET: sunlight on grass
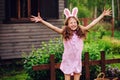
x,y
112,56
20,76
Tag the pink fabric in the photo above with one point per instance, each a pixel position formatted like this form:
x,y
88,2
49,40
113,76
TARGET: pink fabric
x,y
71,59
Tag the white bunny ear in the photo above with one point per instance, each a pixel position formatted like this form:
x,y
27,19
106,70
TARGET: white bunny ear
x,y
75,11
66,12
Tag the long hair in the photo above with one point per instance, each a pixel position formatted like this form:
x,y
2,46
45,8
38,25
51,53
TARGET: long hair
x,y
68,33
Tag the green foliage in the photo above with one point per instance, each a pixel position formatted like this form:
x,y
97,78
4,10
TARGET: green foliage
x,y
101,37
96,41
115,47
21,75
87,7
12,71
113,72
41,56
83,12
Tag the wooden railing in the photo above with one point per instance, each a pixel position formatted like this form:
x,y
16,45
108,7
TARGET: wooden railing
x,y
86,63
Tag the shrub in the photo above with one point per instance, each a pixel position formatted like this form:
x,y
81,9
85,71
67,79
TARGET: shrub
x,y
112,72
41,56
94,43
114,45
55,46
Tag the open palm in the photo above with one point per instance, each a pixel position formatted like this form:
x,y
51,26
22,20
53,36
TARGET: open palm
x,y
107,12
36,18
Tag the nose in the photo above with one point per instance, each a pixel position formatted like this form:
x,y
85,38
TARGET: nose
x,y
74,24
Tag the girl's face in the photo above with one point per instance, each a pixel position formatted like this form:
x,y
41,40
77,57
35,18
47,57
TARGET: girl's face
x,y
72,24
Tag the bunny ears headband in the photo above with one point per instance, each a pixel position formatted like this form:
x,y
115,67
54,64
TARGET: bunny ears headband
x,y
68,13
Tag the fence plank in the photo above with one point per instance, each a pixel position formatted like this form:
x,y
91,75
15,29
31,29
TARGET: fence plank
x,y
86,63
103,61
92,63
87,70
41,67
52,67
112,61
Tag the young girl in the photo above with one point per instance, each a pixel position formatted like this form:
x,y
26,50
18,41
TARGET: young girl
x,y
73,36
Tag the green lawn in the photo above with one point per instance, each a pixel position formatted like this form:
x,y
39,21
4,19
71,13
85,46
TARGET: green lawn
x,y
18,75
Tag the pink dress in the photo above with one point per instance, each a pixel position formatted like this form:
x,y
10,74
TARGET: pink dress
x,y
71,59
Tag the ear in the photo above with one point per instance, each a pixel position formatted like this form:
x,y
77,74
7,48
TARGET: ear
x,y
66,12
75,11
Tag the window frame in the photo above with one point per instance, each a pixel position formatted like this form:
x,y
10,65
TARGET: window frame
x,y
19,17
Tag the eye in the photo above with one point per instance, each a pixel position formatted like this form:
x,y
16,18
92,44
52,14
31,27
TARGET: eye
x,y
71,22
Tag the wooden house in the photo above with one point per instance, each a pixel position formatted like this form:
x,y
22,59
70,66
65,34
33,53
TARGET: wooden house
x,y
18,33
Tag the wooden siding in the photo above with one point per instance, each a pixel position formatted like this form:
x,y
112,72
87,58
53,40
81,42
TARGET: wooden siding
x,y
61,8
18,38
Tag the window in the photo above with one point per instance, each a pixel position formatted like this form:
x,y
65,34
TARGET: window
x,y
18,9
23,9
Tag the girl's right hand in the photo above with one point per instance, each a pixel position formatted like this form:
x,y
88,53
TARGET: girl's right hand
x,y
36,18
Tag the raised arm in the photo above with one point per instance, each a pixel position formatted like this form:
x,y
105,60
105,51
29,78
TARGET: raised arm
x,y
104,13
39,19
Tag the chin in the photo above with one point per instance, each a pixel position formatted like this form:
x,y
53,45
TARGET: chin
x,y
73,29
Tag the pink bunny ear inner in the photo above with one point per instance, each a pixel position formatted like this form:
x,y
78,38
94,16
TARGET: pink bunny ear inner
x,y
75,11
66,12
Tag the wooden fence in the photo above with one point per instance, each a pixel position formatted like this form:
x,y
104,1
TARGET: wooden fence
x,y
86,63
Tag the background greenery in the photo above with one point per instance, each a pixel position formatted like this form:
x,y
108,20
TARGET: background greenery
x,y
99,39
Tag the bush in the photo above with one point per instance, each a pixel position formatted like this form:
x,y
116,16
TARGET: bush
x,y
114,45
41,56
55,46
93,44
112,72
83,12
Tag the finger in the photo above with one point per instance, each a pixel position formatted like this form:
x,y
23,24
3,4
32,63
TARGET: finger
x,y
38,14
104,9
109,14
32,19
33,16
108,9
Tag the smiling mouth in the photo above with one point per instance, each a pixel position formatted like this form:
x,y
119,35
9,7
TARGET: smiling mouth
x,y
73,27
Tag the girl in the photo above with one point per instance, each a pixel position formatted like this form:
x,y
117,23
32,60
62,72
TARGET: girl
x,y
73,36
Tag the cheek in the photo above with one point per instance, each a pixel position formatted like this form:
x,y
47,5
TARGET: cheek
x,y
69,25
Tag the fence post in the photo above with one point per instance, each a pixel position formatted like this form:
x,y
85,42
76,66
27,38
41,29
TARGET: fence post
x,y
87,70
52,67
103,61
85,20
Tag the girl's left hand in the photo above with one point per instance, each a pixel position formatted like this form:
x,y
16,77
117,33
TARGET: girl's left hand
x,y
107,12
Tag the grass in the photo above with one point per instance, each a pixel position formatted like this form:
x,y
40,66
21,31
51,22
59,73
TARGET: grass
x,y
114,56
18,75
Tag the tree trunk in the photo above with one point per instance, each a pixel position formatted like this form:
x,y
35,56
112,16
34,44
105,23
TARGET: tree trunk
x,y
95,12
118,4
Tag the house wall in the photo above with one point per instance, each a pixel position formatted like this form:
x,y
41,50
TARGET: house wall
x,y
19,37
61,8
